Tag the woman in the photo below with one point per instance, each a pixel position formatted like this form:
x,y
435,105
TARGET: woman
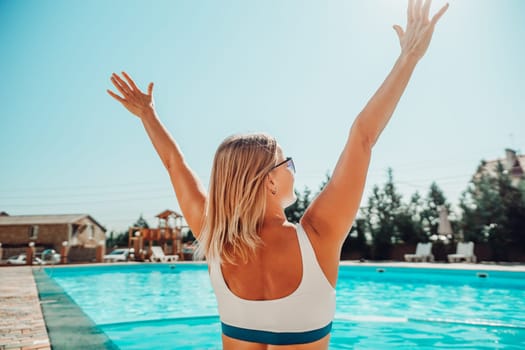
x,y
274,281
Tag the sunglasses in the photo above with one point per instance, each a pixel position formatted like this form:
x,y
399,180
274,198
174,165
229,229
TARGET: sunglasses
x,y
289,164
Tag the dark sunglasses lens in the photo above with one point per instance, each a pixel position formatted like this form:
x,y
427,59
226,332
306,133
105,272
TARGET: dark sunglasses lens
x,y
291,165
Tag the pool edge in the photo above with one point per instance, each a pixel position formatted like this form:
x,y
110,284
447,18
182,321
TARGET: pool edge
x,y
68,327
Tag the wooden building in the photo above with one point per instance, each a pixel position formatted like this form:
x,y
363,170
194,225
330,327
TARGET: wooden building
x,y
49,232
168,235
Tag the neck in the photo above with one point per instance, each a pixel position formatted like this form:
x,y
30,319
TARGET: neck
x,y
274,215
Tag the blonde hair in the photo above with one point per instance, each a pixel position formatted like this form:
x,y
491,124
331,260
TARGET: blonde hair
x,y
237,197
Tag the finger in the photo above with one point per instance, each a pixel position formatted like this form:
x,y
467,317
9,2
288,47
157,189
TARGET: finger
x,y
121,82
124,86
417,9
410,10
119,86
150,89
438,15
117,81
115,96
131,82
426,9
399,31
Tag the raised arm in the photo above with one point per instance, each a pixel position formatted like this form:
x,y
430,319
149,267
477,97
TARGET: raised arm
x,y
332,213
188,188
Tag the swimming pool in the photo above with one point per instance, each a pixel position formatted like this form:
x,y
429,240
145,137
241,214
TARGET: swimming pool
x,y
173,307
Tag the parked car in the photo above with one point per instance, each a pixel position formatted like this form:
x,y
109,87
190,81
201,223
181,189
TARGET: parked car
x,y
50,256
21,260
120,254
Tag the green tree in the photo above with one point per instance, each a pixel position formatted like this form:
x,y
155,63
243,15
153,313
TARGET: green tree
x,y
430,214
380,216
356,240
110,241
295,211
379,224
141,222
481,208
189,237
325,182
512,226
409,221
494,212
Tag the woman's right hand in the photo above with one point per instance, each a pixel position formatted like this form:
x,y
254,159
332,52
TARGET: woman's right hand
x,y
135,101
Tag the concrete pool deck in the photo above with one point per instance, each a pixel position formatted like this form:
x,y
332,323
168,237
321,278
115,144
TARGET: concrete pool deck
x,y
21,321
36,314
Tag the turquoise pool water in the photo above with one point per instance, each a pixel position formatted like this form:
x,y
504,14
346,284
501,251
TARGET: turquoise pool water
x,y
162,306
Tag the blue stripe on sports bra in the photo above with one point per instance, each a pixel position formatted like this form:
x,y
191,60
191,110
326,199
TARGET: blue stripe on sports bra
x,y
275,338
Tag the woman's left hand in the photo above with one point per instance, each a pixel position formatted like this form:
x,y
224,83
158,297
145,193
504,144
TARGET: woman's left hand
x,y
414,42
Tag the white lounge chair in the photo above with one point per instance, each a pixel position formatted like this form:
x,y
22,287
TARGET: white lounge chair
x,y
464,251
157,255
423,253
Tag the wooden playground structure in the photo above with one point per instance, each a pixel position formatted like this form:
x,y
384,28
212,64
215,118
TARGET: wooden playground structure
x,y
168,235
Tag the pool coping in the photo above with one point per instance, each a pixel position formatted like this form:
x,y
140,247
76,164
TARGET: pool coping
x,y
68,327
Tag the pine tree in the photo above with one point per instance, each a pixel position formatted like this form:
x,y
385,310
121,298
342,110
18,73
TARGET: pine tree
x,y
494,212
141,222
382,217
295,212
481,207
511,228
409,221
430,214
356,240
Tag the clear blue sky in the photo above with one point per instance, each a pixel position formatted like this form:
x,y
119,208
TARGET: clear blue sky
x,y
299,70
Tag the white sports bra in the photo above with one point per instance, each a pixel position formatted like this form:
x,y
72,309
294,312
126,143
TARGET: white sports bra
x,y
302,317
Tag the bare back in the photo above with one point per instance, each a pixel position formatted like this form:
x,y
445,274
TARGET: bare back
x,y
275,273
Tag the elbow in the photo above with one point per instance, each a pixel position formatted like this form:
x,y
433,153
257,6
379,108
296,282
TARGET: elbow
x,y
170,163
363,134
